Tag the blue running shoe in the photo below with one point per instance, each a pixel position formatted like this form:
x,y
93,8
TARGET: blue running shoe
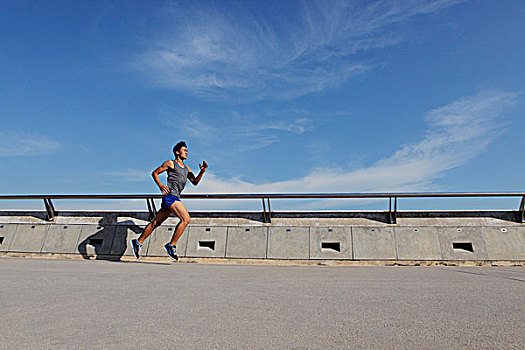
x,y
172,251
135,247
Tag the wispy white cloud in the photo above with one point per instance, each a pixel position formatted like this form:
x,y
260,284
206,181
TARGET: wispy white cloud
x,y
244,131
16,143
219,52
455,133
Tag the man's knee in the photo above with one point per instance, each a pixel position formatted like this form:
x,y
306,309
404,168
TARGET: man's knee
x,y
185,220
155,223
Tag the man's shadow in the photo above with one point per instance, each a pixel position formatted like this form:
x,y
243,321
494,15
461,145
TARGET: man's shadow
x,y
109,243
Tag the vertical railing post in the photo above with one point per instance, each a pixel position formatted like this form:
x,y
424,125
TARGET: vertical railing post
x,y
269,211
267,215
389,210
392,214
264,211
50,209
151,208
395,210
521,212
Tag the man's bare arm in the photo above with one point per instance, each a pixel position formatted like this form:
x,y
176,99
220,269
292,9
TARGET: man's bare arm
x,y
163,188
195,180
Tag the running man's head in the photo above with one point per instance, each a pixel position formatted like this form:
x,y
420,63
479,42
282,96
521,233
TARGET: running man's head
x,y
181,150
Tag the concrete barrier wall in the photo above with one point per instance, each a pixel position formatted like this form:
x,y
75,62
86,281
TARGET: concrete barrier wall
x,y
417,243
374,243
207,241
247,242
62,239
331,243
29,238
7,234
288,243
504,243
431,243
462,243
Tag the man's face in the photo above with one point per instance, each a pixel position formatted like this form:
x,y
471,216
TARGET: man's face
x,y
183,153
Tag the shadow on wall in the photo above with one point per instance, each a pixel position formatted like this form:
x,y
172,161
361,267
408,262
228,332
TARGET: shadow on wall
x,y
109,242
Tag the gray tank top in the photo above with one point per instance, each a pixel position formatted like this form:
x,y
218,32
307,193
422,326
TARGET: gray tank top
x,y
177,178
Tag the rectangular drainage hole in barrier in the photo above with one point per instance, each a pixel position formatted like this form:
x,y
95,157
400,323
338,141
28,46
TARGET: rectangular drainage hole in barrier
x,y
208,229
95,241
1,240
288,230
335,246
1,226
247,230
170,228
330,230
466,246
207,244
65,227
33,226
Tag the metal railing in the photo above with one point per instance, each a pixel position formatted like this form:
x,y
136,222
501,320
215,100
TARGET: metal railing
x,y
267,212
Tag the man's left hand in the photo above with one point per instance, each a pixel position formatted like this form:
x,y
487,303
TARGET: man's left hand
x,y
203,166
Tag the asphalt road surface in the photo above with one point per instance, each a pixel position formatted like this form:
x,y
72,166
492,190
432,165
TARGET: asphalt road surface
x,y
50,304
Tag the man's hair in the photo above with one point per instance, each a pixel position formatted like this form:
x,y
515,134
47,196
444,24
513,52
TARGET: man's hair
x,y
178,146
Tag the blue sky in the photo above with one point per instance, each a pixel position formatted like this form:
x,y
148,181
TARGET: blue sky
x,y
277,96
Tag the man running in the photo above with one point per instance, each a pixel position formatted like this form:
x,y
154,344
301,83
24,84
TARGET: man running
x,y
178,174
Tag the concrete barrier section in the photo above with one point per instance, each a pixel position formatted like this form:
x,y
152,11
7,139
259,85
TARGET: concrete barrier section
x,y
331,243
62,239
162,235
373,243
123,234
247,242
207,241
462,243
29,238
96,240
289,242
504,243
7,234
417,243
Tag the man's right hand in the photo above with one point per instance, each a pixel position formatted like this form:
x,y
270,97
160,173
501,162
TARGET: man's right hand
x,y
164,189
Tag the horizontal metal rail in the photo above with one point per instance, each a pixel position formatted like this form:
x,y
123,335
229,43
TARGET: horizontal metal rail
x,y
392,212
270,195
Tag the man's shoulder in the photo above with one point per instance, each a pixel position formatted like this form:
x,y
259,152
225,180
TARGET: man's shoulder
x,y
169,163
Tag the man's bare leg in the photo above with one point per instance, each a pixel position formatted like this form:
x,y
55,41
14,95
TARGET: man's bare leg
x,y
179,209
161,216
